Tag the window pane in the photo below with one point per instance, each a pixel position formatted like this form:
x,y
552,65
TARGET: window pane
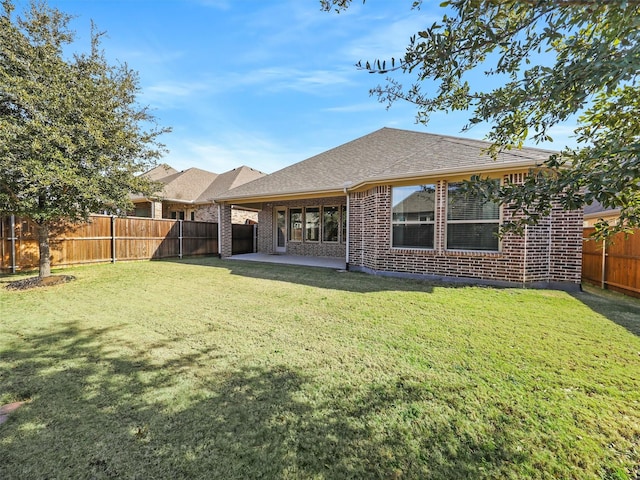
x,y
312,224
344,223
281,226
413,235
295,224
414,204
330,224
472,236
464,207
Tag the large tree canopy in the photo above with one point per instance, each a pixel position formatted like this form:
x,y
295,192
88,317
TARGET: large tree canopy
x,y
547,61
73,139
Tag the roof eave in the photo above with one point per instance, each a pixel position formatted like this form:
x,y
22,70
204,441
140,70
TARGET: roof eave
x,y
333,191
284,196
448,172
602,214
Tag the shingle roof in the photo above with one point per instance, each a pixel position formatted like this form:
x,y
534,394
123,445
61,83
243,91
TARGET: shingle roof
x,y
195,185
187,185
160,172
228,180
595,209
385,154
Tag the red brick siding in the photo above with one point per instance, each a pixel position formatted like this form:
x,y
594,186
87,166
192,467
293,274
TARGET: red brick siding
x,y
266,243
225,241
553,248
209,213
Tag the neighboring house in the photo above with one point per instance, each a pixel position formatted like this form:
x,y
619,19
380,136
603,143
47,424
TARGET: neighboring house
x,y
388,203
188,195
596,212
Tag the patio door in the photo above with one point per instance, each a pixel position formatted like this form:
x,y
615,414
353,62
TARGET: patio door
x,y
280,233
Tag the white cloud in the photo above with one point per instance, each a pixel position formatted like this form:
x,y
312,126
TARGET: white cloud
x,y
219,4
233,150
173,94
275,79
371,106
388,40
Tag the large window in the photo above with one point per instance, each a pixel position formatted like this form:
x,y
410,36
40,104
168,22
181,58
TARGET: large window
x,y
316,224
471,224
330,224
413,216
295,224
312,224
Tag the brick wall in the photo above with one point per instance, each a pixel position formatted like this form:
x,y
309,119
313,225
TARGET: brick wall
x,y
319,249
209,213
225,240
266,243
549,253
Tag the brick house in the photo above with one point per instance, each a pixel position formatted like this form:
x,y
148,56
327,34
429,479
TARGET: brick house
x,y
388,203
188,194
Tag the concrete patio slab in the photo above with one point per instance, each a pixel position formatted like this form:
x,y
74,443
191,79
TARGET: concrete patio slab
x,y
325,262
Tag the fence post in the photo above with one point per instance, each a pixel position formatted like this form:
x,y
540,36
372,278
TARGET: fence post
x,y
113,239
604,264
180,238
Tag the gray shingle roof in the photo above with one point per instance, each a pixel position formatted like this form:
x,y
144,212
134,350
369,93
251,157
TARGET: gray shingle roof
x,y
383,155
161,171
228,180
195,185
595,210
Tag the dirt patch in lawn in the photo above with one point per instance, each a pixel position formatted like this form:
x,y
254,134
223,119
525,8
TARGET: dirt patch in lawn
x,y
5,410
34,282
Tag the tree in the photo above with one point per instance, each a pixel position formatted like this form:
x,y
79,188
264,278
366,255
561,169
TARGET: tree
x,y
550,60
73,140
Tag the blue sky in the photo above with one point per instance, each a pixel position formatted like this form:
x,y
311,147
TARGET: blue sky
x,y
262,83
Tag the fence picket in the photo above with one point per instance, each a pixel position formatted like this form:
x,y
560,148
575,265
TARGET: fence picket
x,y
107,239
615,265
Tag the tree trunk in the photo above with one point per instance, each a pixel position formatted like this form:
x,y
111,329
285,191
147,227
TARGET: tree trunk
x,y
43,246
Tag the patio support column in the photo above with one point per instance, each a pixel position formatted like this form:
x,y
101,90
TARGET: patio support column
x,y
224,229
156,210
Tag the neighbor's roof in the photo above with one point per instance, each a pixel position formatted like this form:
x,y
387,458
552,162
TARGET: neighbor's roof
x,y
188,185
596,210
387,154
195,185
228,180
161,171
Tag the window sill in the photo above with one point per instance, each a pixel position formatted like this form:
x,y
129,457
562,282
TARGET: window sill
x,y
413,249
473,253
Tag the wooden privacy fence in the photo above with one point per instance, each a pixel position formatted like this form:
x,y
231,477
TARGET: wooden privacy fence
x,y
243,238
106,239
614,264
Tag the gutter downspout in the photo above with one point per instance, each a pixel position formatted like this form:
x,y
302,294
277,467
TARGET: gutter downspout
x,y
219,230
346,263
549,250
524,261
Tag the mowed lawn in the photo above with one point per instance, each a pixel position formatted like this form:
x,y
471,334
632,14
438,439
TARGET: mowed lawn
x,y
213,369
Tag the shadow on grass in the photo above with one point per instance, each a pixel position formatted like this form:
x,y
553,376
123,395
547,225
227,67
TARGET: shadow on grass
x,y
96,412
620,309
625,311
319,276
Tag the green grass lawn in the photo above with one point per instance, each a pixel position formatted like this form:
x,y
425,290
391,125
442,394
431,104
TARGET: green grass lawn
x,y
217,369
